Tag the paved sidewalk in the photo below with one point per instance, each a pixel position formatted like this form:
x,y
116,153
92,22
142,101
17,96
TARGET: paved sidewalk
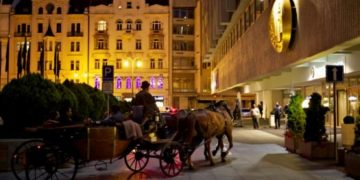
x,y
256,155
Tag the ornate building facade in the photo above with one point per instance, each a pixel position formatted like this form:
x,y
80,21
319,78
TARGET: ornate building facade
x,y
69,40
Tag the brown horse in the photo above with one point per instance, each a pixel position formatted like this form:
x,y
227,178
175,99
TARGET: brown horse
x,y
204,124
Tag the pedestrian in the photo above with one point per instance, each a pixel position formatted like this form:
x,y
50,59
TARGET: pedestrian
x,y
236,112
115,116
255,115
261,109
277,113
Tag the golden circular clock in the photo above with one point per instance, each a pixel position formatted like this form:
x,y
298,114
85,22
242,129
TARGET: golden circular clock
x,y
280,25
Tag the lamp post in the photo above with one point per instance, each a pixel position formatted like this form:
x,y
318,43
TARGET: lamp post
x,y
134,63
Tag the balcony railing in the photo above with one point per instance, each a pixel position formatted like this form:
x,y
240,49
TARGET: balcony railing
x,y
75,34
179,90
22,34
156,31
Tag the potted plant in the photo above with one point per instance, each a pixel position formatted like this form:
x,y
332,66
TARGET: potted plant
x,y
315,144
295,123
352,157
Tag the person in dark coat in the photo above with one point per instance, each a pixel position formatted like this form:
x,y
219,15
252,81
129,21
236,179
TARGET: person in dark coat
x,y
145,99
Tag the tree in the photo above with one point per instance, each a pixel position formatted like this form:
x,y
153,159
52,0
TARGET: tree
x,y
98,99
28,100
83,98
296,116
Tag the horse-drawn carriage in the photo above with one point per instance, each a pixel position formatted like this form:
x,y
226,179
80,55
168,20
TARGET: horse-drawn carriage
x,y
61,151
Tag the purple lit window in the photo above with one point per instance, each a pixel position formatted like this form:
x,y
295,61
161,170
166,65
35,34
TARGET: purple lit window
x,y
152,82
97,82
128,83
118,83
160,83
138,82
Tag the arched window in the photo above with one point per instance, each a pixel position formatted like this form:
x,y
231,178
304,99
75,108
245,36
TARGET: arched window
x,y
119,25
41,10
118,83
101,25
138,25
152,82
138,82
160,83
128,83
156,25
97,82
58,10
128,24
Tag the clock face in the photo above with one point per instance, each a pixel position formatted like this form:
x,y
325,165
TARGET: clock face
x,y
280,25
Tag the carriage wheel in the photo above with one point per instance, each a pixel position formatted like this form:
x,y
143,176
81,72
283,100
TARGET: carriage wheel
x,y
170,162
19,158
137,159
48,162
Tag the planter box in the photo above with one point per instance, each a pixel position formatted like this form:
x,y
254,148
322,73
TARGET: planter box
x,y
291,143
347,135
315,150
352,164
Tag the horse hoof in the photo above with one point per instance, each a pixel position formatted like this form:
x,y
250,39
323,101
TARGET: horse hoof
x,y
212,163
223,154
191,168
223,160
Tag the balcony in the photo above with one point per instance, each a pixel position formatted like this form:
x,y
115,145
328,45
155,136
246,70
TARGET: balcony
x,y
156,31
75,34
22,34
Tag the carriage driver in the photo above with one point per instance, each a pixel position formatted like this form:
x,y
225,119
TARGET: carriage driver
x,y
147,101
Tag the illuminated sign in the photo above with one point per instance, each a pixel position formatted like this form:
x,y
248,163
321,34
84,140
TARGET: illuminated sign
x,y
281,24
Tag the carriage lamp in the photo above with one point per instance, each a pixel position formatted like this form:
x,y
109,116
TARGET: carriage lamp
x,y
153,137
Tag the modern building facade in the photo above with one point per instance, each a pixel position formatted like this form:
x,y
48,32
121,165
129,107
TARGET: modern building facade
x,y
275,48
185,54
132,36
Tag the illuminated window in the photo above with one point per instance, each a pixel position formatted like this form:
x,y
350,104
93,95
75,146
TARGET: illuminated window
x,y
128,83
138,82
160,83
97,82
118,83
101,26
152,83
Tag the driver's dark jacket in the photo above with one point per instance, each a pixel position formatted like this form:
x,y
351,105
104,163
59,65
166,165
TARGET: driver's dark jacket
x,y
145,99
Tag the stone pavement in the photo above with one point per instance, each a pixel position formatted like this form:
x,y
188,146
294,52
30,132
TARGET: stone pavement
x,y
256,155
